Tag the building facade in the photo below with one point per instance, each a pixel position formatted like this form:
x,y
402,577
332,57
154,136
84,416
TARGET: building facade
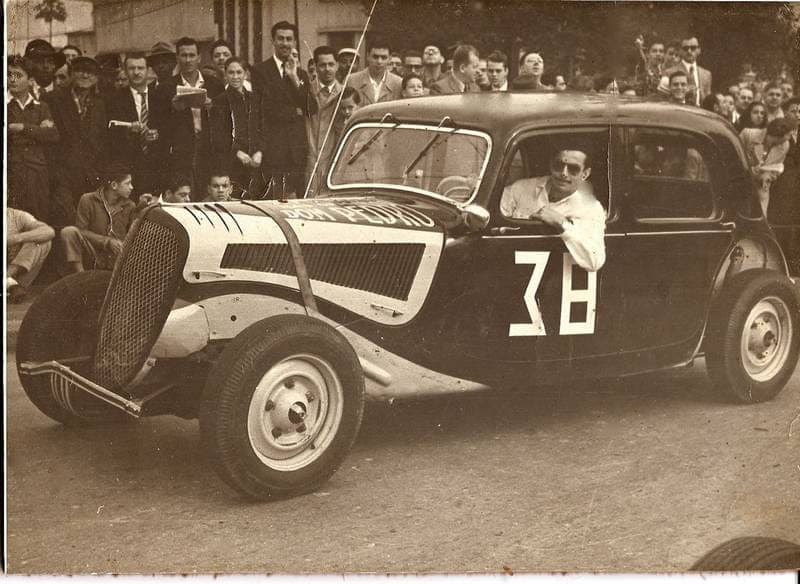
x,y
137,25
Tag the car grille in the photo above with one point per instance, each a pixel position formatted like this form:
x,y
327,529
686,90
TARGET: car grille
x,y
140,296
387,269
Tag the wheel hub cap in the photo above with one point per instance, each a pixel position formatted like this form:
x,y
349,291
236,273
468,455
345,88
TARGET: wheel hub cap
x,y
767,338
295,412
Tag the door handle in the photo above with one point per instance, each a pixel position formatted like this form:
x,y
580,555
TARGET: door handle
x,y
503,230
728,225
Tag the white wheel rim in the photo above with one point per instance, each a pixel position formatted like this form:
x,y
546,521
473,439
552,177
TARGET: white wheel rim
x,y
295,412
766,339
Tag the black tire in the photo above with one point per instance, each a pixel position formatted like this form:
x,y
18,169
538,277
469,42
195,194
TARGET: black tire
x,y
273,366
62,323
766,306
750,553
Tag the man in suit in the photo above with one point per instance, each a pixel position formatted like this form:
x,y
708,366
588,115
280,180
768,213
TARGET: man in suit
x,y
79,113
461,78
140,145
326,90
186,128
497,69
376,83
699,78
283,90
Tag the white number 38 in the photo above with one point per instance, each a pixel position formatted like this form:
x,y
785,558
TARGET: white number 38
x,y
569,296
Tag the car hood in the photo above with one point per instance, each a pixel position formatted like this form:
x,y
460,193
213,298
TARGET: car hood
x,y
374,256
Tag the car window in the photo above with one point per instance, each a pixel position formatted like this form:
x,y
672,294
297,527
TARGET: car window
x,y
529,170
670,176
439,161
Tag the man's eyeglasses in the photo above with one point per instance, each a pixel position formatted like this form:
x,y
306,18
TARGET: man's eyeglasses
x,y
690,47
572,168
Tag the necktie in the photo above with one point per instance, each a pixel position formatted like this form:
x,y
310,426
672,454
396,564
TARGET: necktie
x,y
692,72
144,116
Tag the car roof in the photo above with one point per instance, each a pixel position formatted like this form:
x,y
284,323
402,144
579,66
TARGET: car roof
x,y
503,112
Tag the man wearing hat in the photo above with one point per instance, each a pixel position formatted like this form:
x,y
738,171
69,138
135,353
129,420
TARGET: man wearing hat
x,y
163,60
80,116
43,61
345,58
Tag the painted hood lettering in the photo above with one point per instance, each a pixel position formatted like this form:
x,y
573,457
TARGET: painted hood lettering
x,y
382,213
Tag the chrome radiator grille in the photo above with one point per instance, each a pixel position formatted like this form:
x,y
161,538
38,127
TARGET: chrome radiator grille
x,y
137,303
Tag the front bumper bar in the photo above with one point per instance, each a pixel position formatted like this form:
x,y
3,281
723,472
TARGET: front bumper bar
x,y
63,380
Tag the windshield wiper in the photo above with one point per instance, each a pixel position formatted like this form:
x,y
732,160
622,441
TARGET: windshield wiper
x,y
368,144
427,146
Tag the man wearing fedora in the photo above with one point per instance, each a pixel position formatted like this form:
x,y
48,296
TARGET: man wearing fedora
x,y
43,61
162,59
79,112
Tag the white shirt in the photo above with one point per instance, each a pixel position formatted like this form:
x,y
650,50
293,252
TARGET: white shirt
x,y
694,73
137,100
376,86
279,63
503,87
584,230
197,113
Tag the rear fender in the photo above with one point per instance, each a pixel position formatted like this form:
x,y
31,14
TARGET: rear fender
x,y
750,253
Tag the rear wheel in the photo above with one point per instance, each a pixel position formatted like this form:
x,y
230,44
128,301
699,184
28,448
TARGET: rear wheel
x,y
60,325
282,407
754,336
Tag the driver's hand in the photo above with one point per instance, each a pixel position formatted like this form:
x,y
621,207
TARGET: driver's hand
x,y
550,216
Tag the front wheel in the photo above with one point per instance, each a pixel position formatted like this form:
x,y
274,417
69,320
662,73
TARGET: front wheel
x,y
282,407
754,336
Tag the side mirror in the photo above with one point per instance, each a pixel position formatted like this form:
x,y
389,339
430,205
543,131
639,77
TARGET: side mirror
x,y
475,217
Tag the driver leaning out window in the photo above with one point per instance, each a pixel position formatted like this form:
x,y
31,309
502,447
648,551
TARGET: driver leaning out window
x,y
564,200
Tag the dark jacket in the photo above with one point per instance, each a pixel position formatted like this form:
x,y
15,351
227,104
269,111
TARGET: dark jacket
x,y
126,146
231,109
82,153
178,126
284,109
27,147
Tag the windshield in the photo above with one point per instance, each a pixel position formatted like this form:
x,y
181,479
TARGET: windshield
x,y
442,162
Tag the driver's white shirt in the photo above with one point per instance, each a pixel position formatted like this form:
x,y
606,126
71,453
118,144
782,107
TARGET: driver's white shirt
x,y
585,227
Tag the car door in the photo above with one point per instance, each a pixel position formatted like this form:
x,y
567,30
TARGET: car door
x,y
547,315
675,236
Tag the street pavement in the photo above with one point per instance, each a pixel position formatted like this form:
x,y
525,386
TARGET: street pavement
x,y
642,474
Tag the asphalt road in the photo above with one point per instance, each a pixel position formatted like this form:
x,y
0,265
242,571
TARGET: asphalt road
x,y
643,474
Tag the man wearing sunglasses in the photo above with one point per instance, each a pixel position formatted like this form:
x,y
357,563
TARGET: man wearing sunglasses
x,y
564,200
698,77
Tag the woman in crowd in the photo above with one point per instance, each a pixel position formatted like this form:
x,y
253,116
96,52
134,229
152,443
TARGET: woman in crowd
x,y
236,135
766,150
30,127
755,116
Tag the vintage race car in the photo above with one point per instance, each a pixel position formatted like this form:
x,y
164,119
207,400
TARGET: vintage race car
x,y
271,321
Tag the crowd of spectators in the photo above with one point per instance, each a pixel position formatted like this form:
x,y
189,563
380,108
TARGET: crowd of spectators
x,y
88,148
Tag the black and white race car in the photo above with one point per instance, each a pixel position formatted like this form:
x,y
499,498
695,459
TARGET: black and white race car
x,y
271,321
